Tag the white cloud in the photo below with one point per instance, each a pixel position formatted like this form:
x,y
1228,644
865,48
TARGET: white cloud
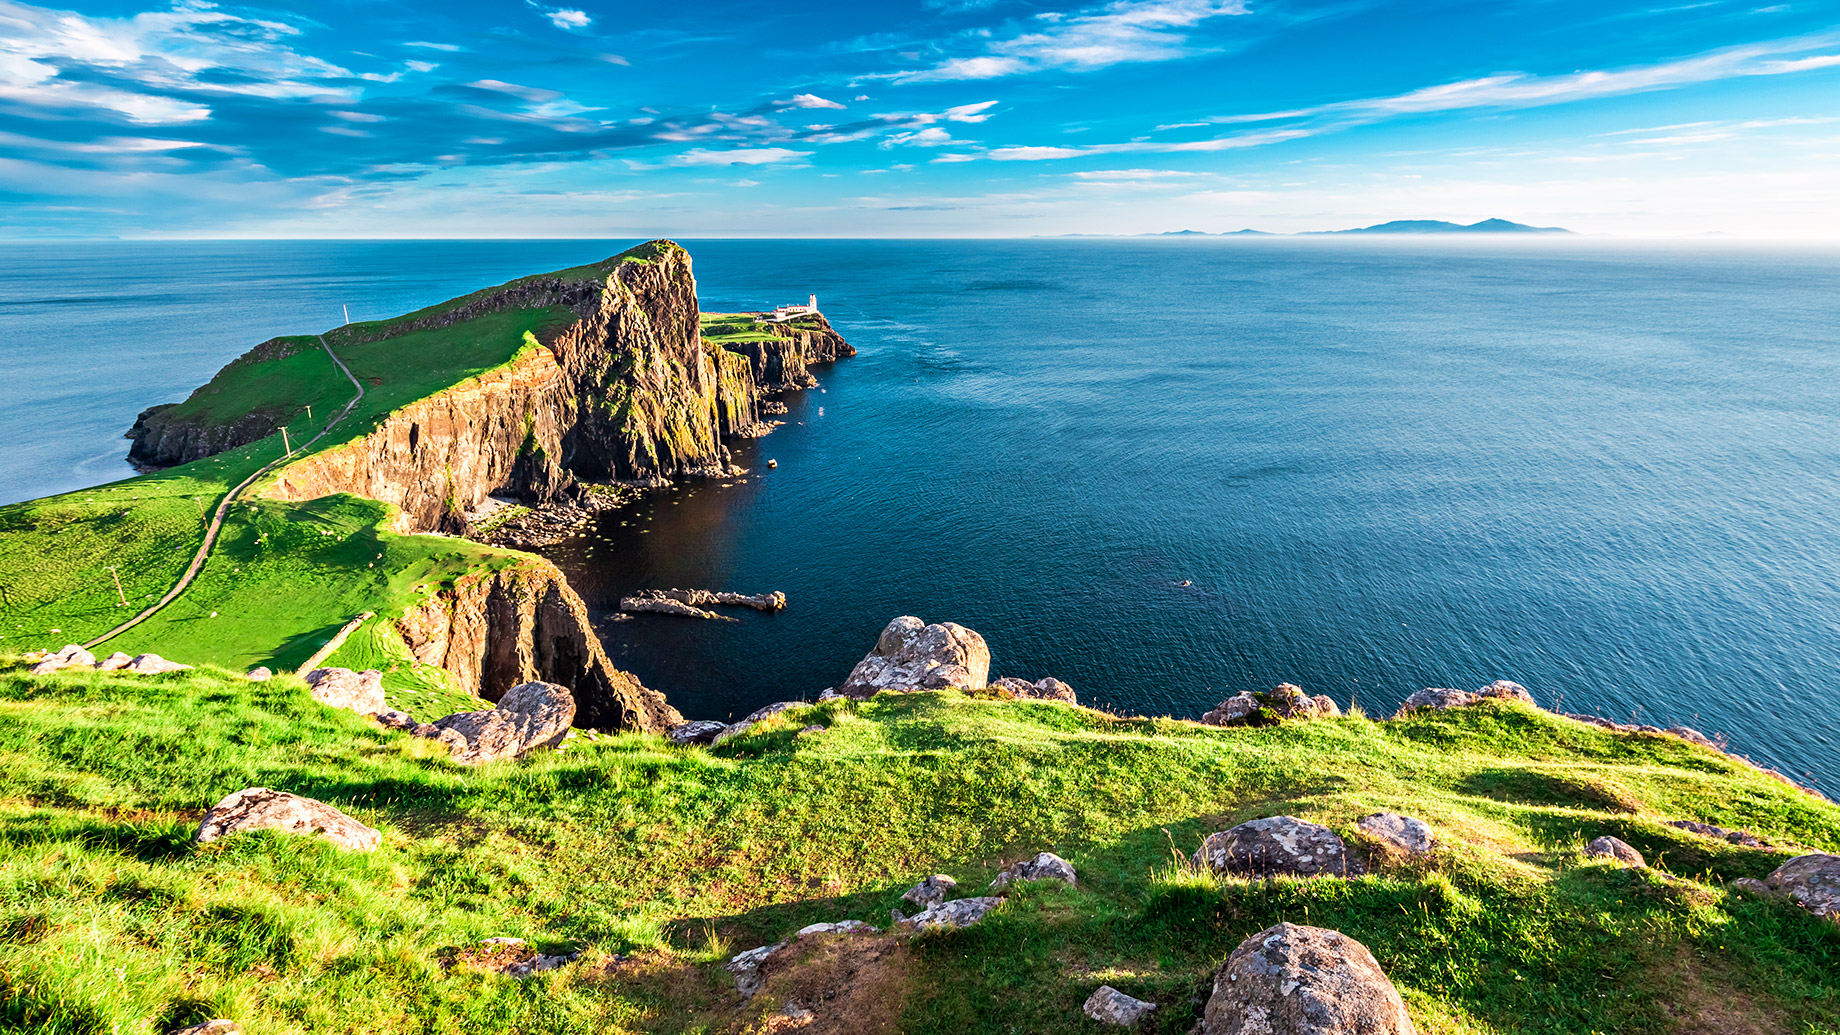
x,y
931,136
421,66
738,156
808,100
526,93
565,18
1120,32
449,47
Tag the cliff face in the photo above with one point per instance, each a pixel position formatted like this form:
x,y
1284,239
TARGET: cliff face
x,y
163,440
782,363
494,631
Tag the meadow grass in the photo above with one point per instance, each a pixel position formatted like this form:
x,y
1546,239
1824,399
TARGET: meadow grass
x,y
658,862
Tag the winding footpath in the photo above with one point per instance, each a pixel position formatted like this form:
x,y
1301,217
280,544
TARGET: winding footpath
x,y
223,508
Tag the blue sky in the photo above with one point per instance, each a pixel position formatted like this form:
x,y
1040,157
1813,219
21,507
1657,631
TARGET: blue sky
x,y
516,118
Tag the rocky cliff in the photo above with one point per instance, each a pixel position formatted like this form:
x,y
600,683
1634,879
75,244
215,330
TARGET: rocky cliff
x,y
782,363
496,630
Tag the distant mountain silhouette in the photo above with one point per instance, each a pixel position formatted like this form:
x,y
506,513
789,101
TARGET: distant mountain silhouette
x,y
1439,226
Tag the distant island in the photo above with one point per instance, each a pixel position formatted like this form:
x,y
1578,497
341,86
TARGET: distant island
x,y
1397,226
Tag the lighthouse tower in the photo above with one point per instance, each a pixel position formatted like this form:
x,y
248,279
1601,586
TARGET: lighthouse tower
x,y
814,303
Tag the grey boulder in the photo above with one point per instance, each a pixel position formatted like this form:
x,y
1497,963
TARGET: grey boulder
x,y
1295,980
930,892
1049,689
1402,834
912,655
1274,847
1608,847
259,808
1110,1006
1045,866
361,692
950,915
703,731
1812,881
530,716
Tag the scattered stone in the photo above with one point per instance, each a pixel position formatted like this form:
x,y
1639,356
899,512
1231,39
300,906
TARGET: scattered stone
x,y
259,674
530,716
1295,980
1045,866
702,731
119,659
1812,881
911,655
958,913
813,728
1403,834
513,958
746,968
153,664
70,657
773,709
930,892
1608,847
1736,837
1049,689
361,692
1284,701
215,1027
1110,1006
258,808
840,927
1278,846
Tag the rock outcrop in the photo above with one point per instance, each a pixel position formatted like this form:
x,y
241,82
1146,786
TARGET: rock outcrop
x,y
1110,1006
499,629
912,655
930,892
961,912
1810,881
1286,701
530,716
1441,698
361,692
1296,980
259,808
1278,846
1049,689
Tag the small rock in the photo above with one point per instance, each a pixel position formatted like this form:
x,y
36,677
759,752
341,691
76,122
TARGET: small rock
x,y
1691,735
1506,690
773,709
396,720
1295,980
957,913
1813,881
912,655
1045,866
260,674
119,659
702,731
813,728
216,1027
1608,847
70,657
840,927
931,891
1110,1006
792,1011
1401,833
361,692
153,664
258,808
1736,837
1049,689
746,968
1278,846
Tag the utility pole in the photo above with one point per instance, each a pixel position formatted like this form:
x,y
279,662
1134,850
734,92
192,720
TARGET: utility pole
x,y
284,440
309,411
118,593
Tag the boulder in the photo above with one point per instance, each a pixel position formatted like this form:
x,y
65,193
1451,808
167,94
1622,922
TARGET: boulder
x,y
1278,846
1284,701
1608,847
70,657
1238,710
1295,980
729,733
1045,866
258,808
152,665
119,659
746,966
1506,690
1404,834
1812,881
1049,689
1110,1006
1438,699
773,709
1736,837
930,892
361,692
530,716
957,913
702,731
911,655
260,674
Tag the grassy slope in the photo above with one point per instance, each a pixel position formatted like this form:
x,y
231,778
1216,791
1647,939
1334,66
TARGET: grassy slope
x,y
679,858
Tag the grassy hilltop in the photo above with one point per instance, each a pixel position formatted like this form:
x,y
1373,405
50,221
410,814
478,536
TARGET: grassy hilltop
x,y
658,863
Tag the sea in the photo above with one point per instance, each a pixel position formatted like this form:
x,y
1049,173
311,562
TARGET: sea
x,y
1164,471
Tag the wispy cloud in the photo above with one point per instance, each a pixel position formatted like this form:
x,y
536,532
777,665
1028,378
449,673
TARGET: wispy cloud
x,y
739,156
1121,32
565,18
807,100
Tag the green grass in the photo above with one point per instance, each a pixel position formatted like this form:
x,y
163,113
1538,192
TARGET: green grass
x,y
677,858
722,328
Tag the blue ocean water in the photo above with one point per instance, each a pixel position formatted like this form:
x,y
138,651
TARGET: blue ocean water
x,y
1606,470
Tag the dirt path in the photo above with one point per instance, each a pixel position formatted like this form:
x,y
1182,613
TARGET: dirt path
x,y
223,508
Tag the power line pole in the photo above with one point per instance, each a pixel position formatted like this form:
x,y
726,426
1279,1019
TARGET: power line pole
x,y
118,593
284,440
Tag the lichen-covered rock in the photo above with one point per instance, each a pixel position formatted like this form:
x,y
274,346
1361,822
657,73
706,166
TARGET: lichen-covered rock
x,y
71,656
1110,1006
1438,698
839,927
911,655
930,892
703,731
1049,689
961,912
746,966
361,692
1736,837
1608,847
1403,834
530,716
1506,690
1238,710
1286,701
1812,881
259,808
1044,866
1277,846
1295,980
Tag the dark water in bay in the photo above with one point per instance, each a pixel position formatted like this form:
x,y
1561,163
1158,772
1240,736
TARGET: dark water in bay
x,y
1606,470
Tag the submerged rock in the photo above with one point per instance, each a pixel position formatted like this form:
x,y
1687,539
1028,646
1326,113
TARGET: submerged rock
x,y
1045,866
1278,846
1296,980
911,655
259,808
1110,1006
361,692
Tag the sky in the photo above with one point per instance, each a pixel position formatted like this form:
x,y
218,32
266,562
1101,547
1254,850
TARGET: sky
x,y
958,118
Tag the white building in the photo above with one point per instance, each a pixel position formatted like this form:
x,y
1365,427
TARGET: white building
x,y
787,312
